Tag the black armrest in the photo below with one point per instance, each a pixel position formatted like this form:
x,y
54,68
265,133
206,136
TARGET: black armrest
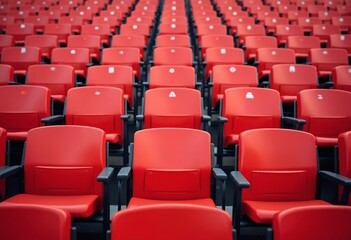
x,y
9,171
105,175
140,117
341,180
222,119
330,176
264,84
326,85
239,180
219,174
124,173
57,119
125,117
205,118
298,123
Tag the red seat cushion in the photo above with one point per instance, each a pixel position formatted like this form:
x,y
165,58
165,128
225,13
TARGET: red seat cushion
x,y
263,212
80,206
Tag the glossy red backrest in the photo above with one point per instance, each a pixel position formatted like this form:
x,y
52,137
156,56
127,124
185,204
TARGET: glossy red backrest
x,y
173,56
280,164
290,79
341,77
64,160
172,76
313,222
249,108
172,163
325,111
58,78
96,106
34,222
22,106
172,107
6,74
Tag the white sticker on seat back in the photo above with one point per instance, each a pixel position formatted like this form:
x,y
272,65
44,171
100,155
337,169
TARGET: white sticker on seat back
x,y
172,94
249,95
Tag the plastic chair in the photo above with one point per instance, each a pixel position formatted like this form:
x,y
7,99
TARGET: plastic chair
x,y
252,43
344,22
162,174
118,76
270,177
208,41
222,56
6,41
182,107
326,59
229,76
324,31
172,221
45,42
302,45
112,22
102,30
58,78
19,31
284,31
6,74
173,40
233,22
20,58
245,108
325,113
34,222
127,56
268,57
244,30
318,222
22,109
38,21
341,41
76,22
171,76
324,120
78,58
341,77
290,79
92,42
173,56
136,41
61,30
78,182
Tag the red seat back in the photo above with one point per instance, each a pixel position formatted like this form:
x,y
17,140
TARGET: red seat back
x,y
34,222
60,167
313,222
277,162
325,111
171,164
181,107
23,107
